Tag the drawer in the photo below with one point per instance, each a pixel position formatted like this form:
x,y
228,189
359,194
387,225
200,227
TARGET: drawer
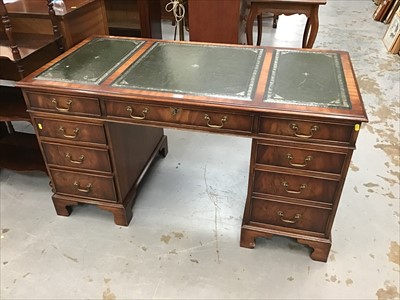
x,y
77,157
176,115
306,130
84,185
301,159
293,186
289,215
71,131
65,104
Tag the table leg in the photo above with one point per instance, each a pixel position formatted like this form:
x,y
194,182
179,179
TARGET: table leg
x,y
306,32
249,25
312,22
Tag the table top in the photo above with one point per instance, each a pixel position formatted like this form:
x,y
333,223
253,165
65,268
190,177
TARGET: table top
x,y
260,79
39,7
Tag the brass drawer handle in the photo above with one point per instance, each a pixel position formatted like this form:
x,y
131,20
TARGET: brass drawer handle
x,y
86,189
78,162
69,102
295,128
69,136
224,119
144,113
282,215
306,161
301,188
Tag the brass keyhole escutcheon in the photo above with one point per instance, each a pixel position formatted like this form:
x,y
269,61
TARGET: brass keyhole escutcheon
x,y
175,110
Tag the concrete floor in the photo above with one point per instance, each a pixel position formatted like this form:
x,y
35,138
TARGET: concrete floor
x,y
183,241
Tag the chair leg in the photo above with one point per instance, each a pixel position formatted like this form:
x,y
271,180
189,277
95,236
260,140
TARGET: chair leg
x,y
275,21
10,127
3,130
259,29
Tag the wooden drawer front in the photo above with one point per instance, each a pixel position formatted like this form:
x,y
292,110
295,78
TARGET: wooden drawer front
x,y
304,130
65,104
77,157
176,115
293,186
301,159
289,215
71,131
84,185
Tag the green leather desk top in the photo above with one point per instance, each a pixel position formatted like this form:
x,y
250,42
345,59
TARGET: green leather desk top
x,y
92,63
216,71
307,78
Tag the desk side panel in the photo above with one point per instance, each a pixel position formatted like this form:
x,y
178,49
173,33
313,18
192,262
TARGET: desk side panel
x,y
131,148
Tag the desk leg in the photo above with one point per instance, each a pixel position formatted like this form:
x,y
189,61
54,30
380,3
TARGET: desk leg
x,y
313,23
63,206
320,249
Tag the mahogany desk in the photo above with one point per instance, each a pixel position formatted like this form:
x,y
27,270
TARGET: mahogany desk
x,y
99,109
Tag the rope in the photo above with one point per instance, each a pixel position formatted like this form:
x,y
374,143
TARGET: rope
x,y
177,8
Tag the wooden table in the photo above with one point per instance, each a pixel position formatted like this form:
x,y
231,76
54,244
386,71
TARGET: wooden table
x,y
93,106
286,7
82,19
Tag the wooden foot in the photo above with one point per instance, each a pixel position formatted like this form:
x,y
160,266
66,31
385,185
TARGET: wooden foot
x,y
63,207
122,215
320,249
163,150
248,237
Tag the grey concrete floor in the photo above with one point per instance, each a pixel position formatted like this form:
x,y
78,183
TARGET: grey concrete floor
x,y
183,241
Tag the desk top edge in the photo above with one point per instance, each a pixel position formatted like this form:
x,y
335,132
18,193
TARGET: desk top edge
x,y
357,112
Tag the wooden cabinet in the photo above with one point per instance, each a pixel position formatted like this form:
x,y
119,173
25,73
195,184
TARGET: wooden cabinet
x,y
141,18
82,19
221,21
302,139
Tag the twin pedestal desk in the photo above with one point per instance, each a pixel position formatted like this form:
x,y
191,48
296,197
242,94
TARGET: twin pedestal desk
x,y
100,108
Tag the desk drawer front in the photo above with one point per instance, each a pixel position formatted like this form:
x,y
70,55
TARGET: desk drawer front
x,y
71,131
289,215
293,186
300,159
77,157
306,130
65,104
84,185
176,115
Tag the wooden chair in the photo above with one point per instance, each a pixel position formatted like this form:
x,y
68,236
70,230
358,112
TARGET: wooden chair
x,y
20,54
